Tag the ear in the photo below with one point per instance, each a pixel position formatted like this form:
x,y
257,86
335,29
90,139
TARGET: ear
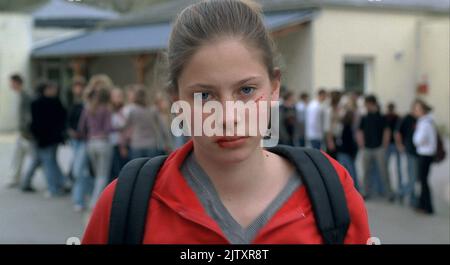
x,y
275,84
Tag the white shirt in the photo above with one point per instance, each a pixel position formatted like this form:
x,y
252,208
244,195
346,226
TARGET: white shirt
x,y
425,136
118,122
314,120
332,122
300,108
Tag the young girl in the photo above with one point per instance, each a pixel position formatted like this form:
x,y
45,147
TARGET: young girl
x,y
95,124
145,126
425,140
227,189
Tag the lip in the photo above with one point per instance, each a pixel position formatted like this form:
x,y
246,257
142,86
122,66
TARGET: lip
x,y
231,142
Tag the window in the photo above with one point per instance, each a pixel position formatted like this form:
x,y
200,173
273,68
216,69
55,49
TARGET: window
x,y
354,77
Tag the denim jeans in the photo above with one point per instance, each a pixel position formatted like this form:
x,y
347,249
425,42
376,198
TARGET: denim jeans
x,y
35,164
100,154
301,142
52,171
117,163
370,157
316,144
409,187
21,149
392,150
80,170
349,163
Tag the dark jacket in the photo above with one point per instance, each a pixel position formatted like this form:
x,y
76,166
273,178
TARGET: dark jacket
x,y
74,115
48,121
24,114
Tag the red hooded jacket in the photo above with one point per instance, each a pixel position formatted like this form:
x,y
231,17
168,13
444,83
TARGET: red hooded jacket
x,y
176,215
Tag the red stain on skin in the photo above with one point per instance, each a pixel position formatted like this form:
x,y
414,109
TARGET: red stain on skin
x,y
258,99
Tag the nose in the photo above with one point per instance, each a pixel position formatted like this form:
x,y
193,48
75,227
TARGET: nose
x,y
231,117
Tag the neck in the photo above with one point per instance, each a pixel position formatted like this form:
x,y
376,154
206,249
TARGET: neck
x,y
236,178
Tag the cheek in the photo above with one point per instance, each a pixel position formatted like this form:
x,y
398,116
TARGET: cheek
x,y
263,104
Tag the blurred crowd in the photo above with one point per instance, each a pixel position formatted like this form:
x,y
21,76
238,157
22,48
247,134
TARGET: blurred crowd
x,y
348,125
106,126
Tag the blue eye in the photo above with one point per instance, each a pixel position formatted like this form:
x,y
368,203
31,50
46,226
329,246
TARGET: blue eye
x,y
247,90
205,95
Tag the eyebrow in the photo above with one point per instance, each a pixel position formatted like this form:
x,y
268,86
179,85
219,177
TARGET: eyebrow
x,y
208,86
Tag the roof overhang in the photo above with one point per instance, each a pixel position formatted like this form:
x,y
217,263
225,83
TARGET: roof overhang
x,y
143,38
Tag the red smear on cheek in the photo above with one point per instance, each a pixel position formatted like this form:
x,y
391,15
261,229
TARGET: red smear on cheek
x,y
258,99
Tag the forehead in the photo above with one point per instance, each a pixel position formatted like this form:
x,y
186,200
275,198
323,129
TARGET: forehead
x,y
222,62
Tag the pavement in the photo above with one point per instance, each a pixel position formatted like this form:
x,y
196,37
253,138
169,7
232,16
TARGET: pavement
x,y
35,219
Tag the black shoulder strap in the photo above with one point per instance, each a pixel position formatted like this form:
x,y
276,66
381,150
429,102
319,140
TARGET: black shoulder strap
x,y
134,186
324,190
322,183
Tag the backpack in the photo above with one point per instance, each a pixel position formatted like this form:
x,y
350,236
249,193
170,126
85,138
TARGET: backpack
x,y
136,180
440,150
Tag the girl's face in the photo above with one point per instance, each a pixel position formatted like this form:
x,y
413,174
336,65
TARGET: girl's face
x,y
227,70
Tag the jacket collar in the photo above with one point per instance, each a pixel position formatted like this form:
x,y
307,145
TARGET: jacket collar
x,y
172,189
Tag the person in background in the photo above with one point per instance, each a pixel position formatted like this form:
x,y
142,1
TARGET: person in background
x,y
288,119
373,137
404,140
48,125
130,94
315,120
332,123
95,125
80,163
143,123
22,145
392,119
163,107
300,108
347,148
425,140
118,120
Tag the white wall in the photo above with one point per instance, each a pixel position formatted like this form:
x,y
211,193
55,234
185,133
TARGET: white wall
x,y
380,35
435,64
119,67
295,50
15,46
122,71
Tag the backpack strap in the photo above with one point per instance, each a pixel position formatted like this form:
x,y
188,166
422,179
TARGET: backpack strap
x,y
131,198
324,190
136,180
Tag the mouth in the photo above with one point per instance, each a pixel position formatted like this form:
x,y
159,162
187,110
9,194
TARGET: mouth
x,y
232,142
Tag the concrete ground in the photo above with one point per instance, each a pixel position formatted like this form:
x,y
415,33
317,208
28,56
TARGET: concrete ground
x,y
34,219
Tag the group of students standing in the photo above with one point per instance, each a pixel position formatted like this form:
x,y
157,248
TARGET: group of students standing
x,y
105,130
104,127
347,124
